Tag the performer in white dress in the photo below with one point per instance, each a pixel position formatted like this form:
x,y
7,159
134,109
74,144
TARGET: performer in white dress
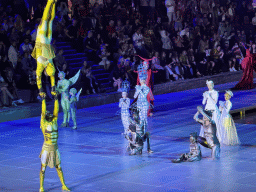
x,y
210,99
227,126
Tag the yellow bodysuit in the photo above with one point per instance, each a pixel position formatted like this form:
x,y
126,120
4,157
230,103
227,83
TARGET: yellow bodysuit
x,y
43,51
50,155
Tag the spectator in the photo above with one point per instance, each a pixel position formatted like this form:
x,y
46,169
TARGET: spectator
x,y
32,86
160,76
27,64
14,35
5,25
170,6
60,61
26,47
72,33
8,78
88,81
3,57
90,46
13,55
188,70
138,42
104,57
111,28
33,34
5,93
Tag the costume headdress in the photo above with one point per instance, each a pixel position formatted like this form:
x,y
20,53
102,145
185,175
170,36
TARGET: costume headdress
x,y
73,90
142,72
125,87
230,93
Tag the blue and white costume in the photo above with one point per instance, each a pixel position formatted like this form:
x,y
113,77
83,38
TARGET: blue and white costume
x,y
142,102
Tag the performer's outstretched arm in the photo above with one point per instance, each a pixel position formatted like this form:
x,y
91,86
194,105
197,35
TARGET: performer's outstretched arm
x,y
43,111
56,106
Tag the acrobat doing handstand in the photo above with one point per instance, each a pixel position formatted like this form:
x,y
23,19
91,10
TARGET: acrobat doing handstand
x,y
43,51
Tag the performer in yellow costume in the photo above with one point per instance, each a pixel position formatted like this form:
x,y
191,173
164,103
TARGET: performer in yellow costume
x,y
50,155
43,51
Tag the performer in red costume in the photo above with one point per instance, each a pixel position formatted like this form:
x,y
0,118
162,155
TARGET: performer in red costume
x,y
248,65
149,83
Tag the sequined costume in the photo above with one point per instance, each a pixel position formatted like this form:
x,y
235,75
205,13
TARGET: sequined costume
x,y
194,153
74,98
50,155
209,128
124,104
43,51
136,136
63,88
142,103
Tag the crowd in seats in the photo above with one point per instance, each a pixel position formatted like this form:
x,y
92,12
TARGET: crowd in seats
x,y
185,39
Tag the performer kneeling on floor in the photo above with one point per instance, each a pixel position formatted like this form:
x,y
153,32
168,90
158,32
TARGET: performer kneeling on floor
x,y
136,135
210,141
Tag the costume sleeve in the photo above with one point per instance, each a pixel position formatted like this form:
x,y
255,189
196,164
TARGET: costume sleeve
x,y
215,96
228,107
205,98
138,88
120,102
56,108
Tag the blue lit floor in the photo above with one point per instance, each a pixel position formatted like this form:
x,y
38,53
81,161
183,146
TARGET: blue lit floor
x,y
94,156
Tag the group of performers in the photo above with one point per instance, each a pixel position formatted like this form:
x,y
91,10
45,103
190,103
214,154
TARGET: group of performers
x,y
217,126
43,53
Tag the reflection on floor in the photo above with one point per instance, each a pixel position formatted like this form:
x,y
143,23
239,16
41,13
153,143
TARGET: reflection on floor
x,y
94,156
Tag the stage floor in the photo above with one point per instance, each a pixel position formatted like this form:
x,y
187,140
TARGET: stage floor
x,y
94,156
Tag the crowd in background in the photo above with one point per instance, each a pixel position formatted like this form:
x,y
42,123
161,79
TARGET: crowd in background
x,y
185,39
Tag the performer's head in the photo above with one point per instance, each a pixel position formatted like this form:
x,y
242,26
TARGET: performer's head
x,y
61,75
48,116
135,115
206,115
124,94
73,91
193,137
210,84
228,95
